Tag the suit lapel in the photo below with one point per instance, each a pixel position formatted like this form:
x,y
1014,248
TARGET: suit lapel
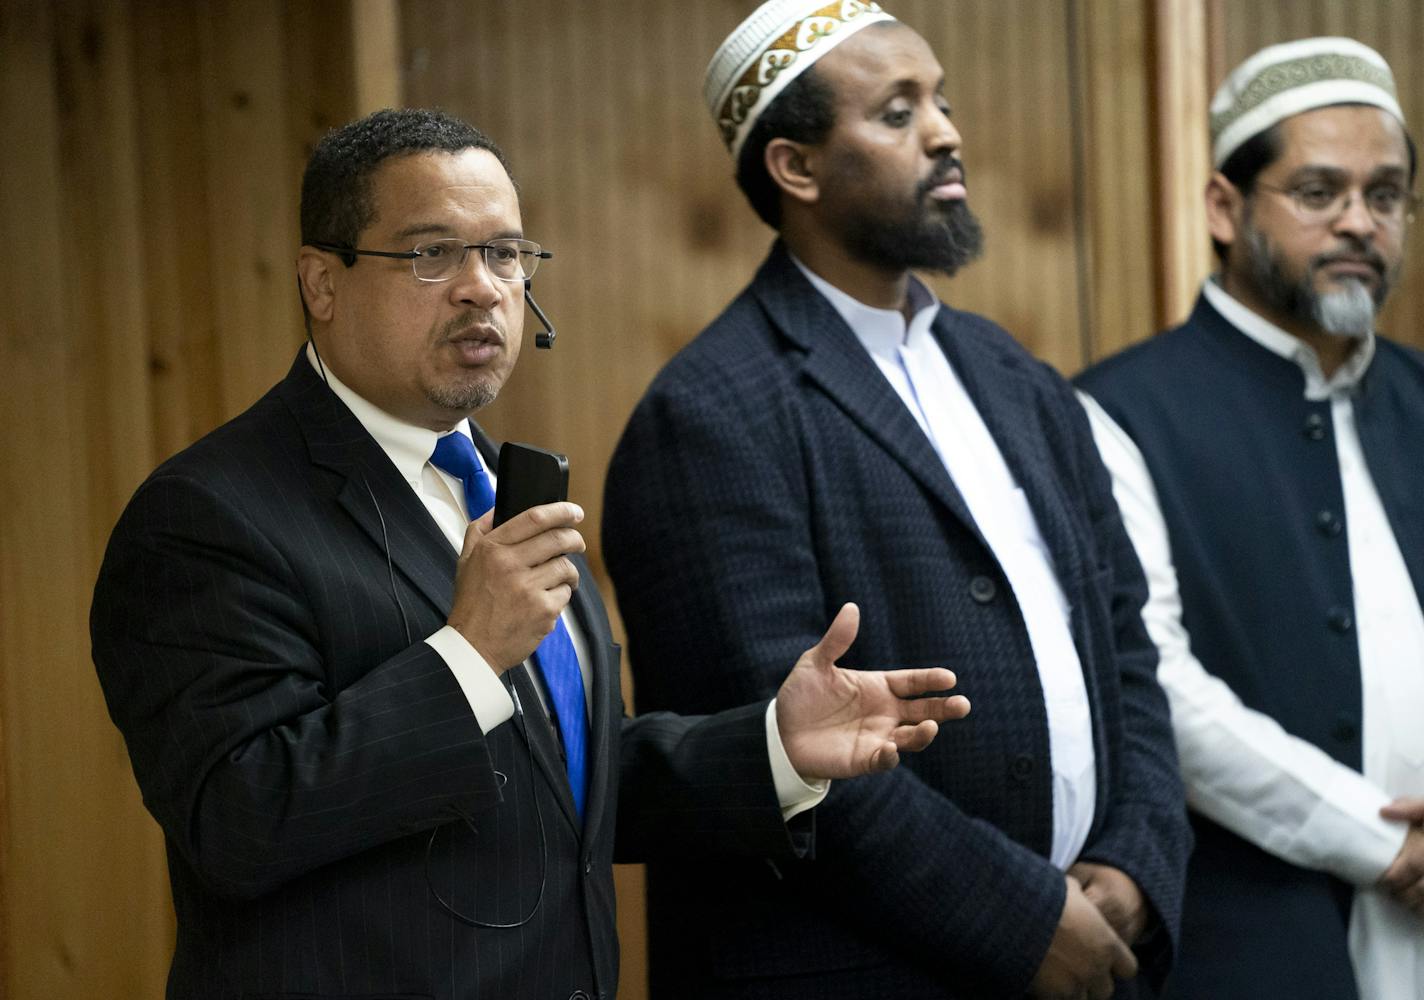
x,y
372,491
1006,397
837,362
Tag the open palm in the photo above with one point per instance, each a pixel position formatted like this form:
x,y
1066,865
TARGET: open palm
x,y
838,723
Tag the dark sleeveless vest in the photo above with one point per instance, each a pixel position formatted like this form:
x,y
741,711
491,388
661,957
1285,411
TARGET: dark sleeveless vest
x,y
1248,479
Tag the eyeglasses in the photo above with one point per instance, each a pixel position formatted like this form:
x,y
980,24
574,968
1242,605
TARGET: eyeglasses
x,y
1322,201
441,260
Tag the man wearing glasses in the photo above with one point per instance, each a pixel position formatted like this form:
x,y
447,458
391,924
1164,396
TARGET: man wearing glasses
x,y
1266,457
384,738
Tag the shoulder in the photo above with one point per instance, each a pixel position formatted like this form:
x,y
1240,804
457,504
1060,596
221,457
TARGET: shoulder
x,y
1402,356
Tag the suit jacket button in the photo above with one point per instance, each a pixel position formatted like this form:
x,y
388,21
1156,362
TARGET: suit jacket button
x,y
1340,619
1328,524
1314,428
982,589
1345,729
1021,767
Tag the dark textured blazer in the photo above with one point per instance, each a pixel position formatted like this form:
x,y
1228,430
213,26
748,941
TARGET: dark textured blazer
x,y
1247,475
770,474
318,774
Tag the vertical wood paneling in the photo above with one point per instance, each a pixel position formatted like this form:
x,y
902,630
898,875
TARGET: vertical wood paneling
x,y
251,207
1113,88
148,196
1182,160
1396,30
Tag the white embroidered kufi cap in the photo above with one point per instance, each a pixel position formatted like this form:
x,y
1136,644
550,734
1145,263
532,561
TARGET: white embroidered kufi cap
x,y
1286,79
776,44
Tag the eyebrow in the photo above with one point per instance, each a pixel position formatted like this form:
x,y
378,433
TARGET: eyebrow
x,y
1389,170
436,229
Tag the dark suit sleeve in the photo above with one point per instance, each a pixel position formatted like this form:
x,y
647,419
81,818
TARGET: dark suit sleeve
x,y
1145,832
706,534
258,762
702,785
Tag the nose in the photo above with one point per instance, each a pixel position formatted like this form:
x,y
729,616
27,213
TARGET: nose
x,y
940,134
474,284
1356,218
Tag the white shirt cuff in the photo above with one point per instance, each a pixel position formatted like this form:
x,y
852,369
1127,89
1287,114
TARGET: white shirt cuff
x,y
488,698
793,793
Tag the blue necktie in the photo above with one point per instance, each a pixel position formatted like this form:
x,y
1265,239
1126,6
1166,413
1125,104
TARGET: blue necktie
x,y
555,657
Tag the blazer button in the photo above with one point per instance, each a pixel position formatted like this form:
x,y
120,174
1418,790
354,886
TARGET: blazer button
x,y
1328,524
579,995
982,589
1345,729
1340,620
1021,766
1314,428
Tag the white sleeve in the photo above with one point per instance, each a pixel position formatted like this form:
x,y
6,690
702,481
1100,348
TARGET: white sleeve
x,y
793,792
1241,769
482,687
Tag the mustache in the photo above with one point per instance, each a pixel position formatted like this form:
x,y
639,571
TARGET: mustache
x,y
1362,255
949,168
471,322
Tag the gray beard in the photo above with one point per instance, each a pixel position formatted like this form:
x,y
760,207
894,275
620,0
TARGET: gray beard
x,y
1346,312
1349,312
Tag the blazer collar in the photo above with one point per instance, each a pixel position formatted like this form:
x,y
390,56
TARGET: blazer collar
x,y
999,380
840,365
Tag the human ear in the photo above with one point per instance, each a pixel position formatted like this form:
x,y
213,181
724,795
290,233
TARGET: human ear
x,y
314,281
1225,207
790,166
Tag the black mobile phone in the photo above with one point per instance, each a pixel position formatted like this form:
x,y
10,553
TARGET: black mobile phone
x,y
528,477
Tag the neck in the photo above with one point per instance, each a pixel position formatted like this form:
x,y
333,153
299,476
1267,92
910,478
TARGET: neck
x,y
1331,349
878,287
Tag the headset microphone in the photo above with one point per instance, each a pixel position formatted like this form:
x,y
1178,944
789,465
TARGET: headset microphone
x,y
545,340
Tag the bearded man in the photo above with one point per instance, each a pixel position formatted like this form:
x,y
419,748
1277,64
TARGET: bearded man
x,y
838,433
1266,458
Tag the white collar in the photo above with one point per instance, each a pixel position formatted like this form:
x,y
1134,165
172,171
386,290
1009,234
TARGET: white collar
x,y
408,446
882,331
1291,347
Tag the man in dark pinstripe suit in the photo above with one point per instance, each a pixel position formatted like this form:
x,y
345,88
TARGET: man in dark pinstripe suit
x,y
318,661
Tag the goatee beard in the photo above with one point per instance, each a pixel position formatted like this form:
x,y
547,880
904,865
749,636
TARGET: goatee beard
x,y
1346,311
943,244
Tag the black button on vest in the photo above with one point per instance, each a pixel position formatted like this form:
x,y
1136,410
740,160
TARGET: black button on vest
x,y
1340,619
982,589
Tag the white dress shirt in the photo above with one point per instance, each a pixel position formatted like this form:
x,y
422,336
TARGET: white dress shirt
x,y
1241,768
409,448
910,358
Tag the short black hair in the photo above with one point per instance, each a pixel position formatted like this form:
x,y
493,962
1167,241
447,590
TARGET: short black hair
x,y
804,112
1245,164
336,187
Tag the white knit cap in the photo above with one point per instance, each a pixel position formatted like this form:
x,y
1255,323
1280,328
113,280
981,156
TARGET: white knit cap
x,y
1286,79
776,44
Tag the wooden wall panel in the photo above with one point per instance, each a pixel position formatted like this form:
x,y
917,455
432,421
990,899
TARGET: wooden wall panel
x,y
1396,30
148,195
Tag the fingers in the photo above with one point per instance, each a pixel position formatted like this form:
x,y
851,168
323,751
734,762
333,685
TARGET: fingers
x,y
915,737
838,637
911,683
1124,964
884,758
537,520
1410,810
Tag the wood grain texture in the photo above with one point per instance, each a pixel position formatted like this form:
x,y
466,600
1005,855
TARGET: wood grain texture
x,y
149,201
